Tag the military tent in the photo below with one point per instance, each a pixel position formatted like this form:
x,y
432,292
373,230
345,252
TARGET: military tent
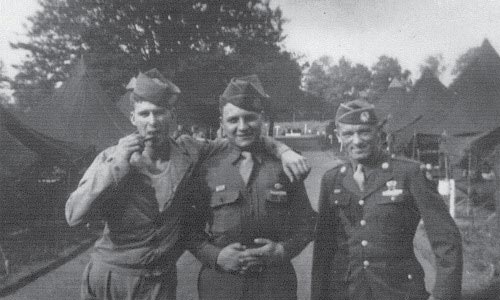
x,y
14,156
433,102
80,112
393,107
45,147
478,90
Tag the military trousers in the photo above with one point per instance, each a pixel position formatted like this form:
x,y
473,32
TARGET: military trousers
x,y
104,282
273,283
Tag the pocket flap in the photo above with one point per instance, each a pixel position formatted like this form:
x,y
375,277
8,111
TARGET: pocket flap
x,y
388,199
339,199
277,196
224,198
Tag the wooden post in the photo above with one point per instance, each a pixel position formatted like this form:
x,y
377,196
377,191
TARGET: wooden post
x,y
469,183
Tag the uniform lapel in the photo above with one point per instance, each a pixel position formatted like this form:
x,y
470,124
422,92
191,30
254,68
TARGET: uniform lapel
x,y
381,174
180,165
348,181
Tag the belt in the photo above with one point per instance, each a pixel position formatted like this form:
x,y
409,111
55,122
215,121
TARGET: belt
x,y
144,272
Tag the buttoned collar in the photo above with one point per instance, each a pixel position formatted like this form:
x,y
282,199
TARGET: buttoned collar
x,y
235,155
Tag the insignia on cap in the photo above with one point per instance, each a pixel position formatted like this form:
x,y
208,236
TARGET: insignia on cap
x,y
391,184
337,191
342,170
220,188
364,117
278,186
385,165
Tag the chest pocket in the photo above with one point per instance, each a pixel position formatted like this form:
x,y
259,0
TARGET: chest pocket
x,y
225,211
340,201
386,198
395,213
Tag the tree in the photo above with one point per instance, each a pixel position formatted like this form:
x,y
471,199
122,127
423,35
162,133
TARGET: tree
x,y
386,69
4,98
336,83
124,36
465,59
434,64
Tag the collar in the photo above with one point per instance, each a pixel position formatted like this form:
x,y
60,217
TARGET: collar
x,y
235,154
375,162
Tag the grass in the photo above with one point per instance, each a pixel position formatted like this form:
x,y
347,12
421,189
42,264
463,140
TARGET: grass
x,y
481,244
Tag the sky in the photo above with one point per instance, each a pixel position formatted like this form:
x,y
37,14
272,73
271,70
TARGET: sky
x,y
360,30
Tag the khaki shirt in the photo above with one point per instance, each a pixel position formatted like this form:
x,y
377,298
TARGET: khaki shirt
x,y
268,207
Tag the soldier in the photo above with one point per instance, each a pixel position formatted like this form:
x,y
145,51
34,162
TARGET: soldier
x,y
141,188
258,220
369,209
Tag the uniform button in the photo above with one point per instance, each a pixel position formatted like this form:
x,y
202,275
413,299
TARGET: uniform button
x,y
362,222
410,277
393,198
364,243
361,202
366,263
336,202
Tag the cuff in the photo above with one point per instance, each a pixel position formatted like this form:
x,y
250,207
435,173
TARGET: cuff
x,y
209,254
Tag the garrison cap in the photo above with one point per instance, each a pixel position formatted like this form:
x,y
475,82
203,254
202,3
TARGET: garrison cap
x,y
153,87
245,92
356,112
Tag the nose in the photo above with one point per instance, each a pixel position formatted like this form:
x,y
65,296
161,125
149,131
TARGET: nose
x,y
356,139
152,119
242,124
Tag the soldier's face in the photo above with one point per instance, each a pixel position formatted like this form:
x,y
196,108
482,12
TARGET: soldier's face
x,y
151,120
360,142
242,127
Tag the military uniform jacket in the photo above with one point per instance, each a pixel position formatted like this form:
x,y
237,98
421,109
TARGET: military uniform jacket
x,y
364,240
269,206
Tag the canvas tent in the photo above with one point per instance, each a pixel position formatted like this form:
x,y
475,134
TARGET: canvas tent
x,y
478,90
433,102
80,112
14,156
45,147
393,106
27,159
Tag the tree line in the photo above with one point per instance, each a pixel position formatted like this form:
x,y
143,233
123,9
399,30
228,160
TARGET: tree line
x,y
199,44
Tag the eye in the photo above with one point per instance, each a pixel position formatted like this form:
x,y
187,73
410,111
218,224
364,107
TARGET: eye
x,y
232,120
346,134
251,118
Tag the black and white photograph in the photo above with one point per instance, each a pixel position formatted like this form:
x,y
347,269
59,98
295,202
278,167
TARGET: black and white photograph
x,y
249,150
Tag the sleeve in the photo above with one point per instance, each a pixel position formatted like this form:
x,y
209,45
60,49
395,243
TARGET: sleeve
x,y
303,218
443,235
324,244
97,184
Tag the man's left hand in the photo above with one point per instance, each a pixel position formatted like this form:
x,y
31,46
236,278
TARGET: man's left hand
x,y
271,253
295,166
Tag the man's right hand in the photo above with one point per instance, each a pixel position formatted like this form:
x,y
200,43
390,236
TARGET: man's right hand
x,y
127,146
229,257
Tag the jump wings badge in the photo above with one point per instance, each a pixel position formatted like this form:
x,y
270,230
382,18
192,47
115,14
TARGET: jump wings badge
x,y
392,191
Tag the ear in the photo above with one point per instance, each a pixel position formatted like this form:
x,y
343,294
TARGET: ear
x,y
132,118
338,136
